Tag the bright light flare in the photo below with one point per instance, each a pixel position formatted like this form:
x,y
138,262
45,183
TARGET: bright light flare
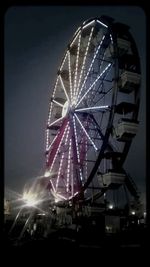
x,y
30,199
111,206
47,174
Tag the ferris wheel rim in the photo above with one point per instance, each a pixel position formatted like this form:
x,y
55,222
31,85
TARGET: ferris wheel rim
x,y
110,121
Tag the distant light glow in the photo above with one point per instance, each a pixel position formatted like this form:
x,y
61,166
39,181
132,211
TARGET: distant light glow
x,y
133,212
111,206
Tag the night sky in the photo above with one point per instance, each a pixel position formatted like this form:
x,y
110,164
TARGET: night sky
x,y
35,41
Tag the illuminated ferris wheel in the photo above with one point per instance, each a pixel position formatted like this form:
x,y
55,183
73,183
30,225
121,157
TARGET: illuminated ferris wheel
x,y
93,111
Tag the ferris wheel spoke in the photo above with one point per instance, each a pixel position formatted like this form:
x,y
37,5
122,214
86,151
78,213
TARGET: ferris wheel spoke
x,y
54,122
64,88
62,158
68,166
98,108
48,148
106,93
59,171
84,60
88,24
93,84
77,147
101,23
86,133
54,153
57,103
77,61
93,60
52,185
99,129
70,77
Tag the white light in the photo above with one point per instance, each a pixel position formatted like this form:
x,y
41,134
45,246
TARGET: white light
x,y
52,186
68,167
74,39
58,148
90,108
47,174
52,142
67,135
86,133
133,212
70,79
90,66
94,83
56,102
74,195
47,138
55,121
111,38
90,23
144,214
55,87
77,61
63,62
58,197
77,30
102,23
50,112
59,171
77,148
84,60
64,88
65,109
30,199
111,206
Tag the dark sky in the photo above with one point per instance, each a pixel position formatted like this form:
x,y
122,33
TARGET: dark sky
x,y
35,41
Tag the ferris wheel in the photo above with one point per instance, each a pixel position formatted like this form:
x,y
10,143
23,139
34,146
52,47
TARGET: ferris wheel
x,y
93,111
